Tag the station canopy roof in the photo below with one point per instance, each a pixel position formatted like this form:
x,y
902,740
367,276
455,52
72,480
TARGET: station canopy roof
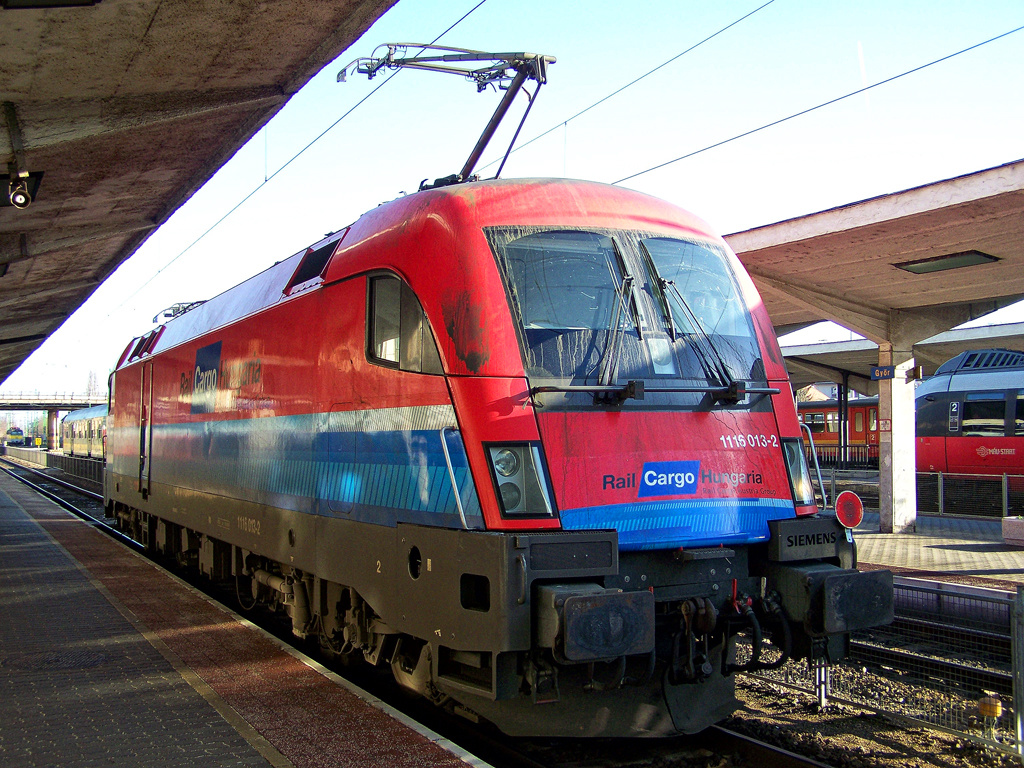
x,y
903,268
126,108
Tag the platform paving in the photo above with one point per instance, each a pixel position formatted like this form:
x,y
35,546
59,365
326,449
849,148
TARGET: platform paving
x,y
105,660
954,548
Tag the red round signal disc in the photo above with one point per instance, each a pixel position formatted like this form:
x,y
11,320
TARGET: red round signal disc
x,y
849,509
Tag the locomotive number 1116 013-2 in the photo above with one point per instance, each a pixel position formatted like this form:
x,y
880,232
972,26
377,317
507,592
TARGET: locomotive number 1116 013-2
x,y
749,441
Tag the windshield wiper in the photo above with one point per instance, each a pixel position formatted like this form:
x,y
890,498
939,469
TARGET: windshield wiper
x,y
635,389
658,289
623,292
709,357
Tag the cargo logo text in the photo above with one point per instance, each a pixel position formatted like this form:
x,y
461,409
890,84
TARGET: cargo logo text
x,y
204,381
669,478
213,384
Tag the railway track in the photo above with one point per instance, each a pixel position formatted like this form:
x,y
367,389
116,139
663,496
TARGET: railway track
x,y
713,748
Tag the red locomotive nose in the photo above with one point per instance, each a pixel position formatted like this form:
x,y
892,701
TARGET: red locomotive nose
x,y
849,509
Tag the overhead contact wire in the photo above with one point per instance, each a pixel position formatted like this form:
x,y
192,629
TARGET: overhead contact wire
x,y
292,159
819,106
632,83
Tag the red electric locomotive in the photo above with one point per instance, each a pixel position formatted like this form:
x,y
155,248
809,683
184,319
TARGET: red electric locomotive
x,y
531,443
970,415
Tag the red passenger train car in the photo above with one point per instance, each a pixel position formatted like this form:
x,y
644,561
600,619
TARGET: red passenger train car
x,y
970,415
969,418
822,420
530,443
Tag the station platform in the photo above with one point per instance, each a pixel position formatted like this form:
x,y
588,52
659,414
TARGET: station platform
x,y
105,660
967,550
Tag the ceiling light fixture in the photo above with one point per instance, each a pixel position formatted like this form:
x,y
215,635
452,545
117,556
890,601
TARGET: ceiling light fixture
x,y
949,261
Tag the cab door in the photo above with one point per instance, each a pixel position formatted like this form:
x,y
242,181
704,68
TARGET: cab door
x,y
145,428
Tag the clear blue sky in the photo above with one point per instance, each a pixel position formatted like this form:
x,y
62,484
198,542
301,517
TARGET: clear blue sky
x,y
956,117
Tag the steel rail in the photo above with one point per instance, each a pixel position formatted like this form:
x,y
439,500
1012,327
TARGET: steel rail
x,y
102,525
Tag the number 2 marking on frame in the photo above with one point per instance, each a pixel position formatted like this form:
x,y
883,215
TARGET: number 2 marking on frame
x,y
378,566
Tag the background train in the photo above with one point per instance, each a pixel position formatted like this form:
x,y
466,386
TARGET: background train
x,y
969,418
529,443
14,436
822,419
84,432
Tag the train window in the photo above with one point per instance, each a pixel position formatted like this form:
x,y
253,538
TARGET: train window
x,y
386,293
1018,418
984,414
815,422
833,422
858,421
872,419
398,329
664,305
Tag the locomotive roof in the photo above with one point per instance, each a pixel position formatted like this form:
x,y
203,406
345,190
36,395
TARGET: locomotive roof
x,y
475,205
980,370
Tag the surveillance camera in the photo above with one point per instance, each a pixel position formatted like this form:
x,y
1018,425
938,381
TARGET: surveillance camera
x,y
19,195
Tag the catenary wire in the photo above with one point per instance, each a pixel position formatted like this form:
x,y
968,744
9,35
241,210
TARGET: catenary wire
x,y
292,159
632,83
819,106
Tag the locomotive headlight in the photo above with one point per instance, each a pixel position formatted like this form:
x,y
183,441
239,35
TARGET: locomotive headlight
x,y
506,462
511,496
799,474
520,479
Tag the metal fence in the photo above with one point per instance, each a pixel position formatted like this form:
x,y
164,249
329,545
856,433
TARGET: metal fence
x,y
848,457
981,495
76,466
938,493
953,660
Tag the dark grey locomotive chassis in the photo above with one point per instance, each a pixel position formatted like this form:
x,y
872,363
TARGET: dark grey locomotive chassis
x,y
468,602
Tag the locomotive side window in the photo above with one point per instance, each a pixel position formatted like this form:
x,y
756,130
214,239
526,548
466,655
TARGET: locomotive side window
x,y
1018,419
984,414
385,300
399,334
872,419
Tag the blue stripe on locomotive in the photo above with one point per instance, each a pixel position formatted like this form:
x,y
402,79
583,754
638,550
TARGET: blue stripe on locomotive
x,y
298,463
682,523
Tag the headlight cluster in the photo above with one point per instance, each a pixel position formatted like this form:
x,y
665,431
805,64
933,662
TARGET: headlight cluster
x,y
799,474
521,480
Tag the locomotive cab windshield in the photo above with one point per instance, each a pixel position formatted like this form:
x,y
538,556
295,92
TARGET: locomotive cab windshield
x,y
600,308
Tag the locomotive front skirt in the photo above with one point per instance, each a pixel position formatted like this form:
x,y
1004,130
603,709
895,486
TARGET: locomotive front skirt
x,y
530,443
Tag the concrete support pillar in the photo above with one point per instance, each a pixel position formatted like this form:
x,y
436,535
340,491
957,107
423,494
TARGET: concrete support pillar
x,y
52,441
897,474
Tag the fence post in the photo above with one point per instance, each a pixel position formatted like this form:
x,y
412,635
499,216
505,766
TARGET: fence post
x,y
941,495
833,496
1017,642
822,680
1006,496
